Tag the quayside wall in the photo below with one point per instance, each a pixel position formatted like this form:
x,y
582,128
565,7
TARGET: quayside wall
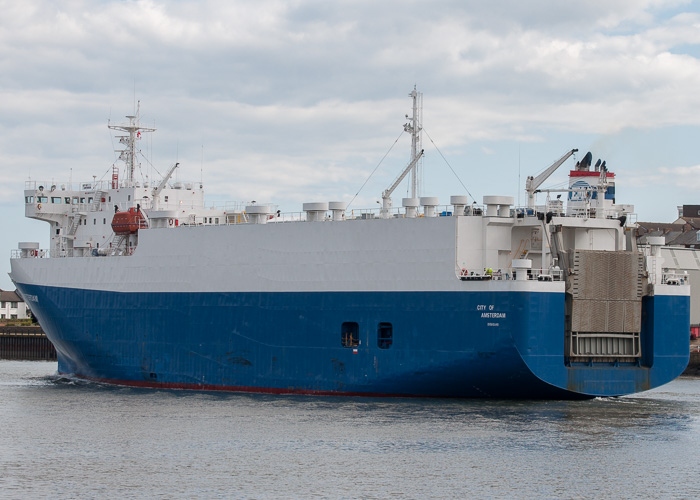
x,y
25,343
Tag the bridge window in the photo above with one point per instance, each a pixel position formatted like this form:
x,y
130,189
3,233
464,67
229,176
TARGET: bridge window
x,y
385,335
55,199
350,334
29,199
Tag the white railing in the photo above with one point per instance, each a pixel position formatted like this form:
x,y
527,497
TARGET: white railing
x,y
48,254
512,274
30,254
52,186
90,186
671,277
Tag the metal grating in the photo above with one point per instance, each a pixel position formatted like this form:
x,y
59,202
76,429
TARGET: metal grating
x,y
605,312
607,346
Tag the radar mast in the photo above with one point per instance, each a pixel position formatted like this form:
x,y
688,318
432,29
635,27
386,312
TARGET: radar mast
x,y
128,154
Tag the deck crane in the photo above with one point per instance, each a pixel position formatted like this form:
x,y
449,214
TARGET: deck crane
x,y
386,195
156,191
532,183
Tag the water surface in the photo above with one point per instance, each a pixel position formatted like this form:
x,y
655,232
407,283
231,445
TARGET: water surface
x,y
62,438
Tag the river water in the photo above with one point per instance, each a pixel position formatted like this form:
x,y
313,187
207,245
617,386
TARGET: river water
x,y
61,438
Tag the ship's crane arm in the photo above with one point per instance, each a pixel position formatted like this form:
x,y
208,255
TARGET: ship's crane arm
x,y
532,183
161,186
386,195
165,180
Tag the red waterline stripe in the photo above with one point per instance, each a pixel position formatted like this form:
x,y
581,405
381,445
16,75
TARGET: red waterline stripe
x,y
241,388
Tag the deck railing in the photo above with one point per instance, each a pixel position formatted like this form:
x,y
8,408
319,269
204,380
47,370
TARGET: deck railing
x,y
512,274
672,277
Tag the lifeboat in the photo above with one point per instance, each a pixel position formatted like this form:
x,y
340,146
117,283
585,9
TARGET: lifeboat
x,y
128,222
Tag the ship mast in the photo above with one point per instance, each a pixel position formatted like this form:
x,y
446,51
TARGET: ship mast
x,y
128,154
414,127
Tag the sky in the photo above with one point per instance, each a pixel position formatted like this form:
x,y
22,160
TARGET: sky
x,y
299,101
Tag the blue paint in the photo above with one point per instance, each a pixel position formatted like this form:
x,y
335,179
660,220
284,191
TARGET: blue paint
x,y
444,344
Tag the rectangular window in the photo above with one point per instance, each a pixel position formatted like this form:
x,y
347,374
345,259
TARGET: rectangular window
x,y
75,200
29,199
94,222
385,335
2,305
350,334
13,305
2,316
55,199
166,199
82,200
42,199
104,221
89,200
67,200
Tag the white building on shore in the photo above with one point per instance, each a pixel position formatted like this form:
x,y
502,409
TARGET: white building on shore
x,y
12,306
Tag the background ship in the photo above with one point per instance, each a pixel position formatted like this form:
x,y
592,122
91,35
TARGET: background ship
x,y
143,285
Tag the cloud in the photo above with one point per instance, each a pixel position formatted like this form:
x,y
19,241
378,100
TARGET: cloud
x,y
292,101
687,178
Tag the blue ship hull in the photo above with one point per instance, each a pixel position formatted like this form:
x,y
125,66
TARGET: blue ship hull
x,y
443,344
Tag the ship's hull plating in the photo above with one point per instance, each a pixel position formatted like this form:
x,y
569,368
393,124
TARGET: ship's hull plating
x,y
443,344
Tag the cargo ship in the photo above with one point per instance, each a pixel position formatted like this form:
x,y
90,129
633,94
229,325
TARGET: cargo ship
x,y
146,285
